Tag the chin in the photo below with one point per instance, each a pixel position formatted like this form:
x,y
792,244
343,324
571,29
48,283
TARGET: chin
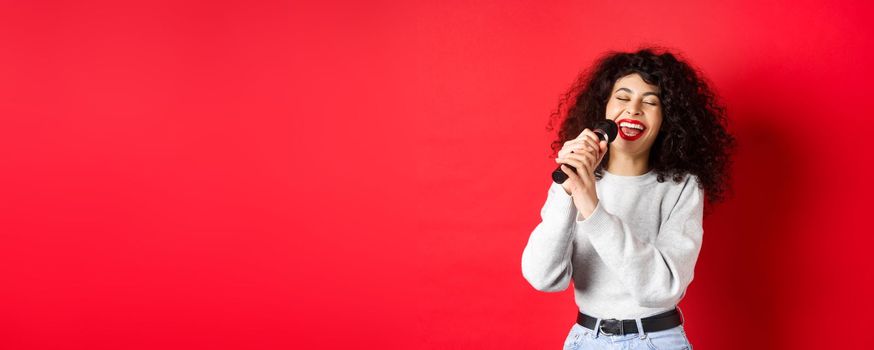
x,y
630,147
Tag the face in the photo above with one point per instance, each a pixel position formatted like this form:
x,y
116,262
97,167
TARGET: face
x,y
636,108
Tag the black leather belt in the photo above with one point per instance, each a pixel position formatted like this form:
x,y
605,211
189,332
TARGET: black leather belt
x,y
659,322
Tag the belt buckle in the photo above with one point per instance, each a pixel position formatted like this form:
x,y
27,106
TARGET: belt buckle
x,y
621,327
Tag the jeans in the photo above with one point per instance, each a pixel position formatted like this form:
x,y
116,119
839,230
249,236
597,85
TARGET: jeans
x,y
583,338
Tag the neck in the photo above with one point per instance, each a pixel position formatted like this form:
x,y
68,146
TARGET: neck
x,y
628,165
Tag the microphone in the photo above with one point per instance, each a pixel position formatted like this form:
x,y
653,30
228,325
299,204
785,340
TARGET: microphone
x,y
606,131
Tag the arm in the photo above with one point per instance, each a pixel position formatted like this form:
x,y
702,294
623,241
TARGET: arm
x,y
656,274
546,259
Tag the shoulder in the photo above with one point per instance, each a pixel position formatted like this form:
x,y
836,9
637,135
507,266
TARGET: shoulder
x,y
683,182
685,189
690,195
691,181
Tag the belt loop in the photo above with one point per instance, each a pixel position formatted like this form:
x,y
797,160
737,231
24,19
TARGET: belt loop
x,y
597,328
640,328
682,318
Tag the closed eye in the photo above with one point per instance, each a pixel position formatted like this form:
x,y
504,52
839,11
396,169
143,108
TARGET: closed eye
x,y
625,99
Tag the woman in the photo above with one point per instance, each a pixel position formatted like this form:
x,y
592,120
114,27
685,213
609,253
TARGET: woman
x,y
626,225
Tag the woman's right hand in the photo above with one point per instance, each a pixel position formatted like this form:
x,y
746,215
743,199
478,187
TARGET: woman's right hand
x,y
589,141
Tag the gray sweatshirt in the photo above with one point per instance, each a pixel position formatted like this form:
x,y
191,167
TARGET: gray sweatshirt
x,y
632,258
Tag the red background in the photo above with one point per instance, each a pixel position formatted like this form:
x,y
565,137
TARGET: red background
x,y
242,174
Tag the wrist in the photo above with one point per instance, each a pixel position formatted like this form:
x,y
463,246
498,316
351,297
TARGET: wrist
x,y
585,207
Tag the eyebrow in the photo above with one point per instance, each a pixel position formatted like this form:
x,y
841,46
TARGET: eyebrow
x,y
631,92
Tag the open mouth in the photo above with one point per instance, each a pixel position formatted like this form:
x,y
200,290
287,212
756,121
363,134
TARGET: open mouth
x,y
630,129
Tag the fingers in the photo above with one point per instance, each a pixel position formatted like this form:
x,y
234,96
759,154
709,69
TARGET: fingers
x,y
570,146
585,158
578,147
603,146
591,146
591,135
586,135
570,173
586,140
581,161
583,146
575,177
595,143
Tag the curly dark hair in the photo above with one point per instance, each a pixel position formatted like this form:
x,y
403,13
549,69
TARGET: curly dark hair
x,y
693,138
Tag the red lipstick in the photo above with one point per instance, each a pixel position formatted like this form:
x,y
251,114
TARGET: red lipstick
x,y
632,130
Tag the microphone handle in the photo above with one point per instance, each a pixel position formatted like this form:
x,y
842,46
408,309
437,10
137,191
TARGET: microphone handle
x,y
559,176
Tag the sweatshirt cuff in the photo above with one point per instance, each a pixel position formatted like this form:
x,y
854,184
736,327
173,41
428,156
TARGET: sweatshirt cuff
x,y
559,204
598,222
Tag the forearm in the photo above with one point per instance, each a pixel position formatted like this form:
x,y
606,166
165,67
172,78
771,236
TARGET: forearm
x,y
546,258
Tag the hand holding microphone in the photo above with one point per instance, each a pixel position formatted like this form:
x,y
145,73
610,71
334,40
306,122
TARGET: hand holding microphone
x,y
605,130
578,159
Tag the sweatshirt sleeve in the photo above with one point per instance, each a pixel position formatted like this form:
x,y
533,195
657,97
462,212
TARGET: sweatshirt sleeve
x,y
656,274
546,259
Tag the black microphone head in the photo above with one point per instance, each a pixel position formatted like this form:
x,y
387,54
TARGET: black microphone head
x,y
609,127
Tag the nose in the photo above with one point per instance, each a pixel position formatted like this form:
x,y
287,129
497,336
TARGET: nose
x,y
632,111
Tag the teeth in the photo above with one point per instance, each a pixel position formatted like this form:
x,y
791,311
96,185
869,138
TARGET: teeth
x,y
630,125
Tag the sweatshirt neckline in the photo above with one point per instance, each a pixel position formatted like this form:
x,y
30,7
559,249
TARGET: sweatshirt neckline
x,y
646,178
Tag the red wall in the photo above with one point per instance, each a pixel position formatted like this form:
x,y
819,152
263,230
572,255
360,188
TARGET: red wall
x,y
332,175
